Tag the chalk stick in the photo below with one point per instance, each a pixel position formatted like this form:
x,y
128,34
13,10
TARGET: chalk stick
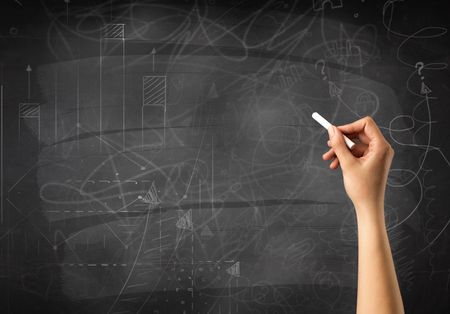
x,y
323,122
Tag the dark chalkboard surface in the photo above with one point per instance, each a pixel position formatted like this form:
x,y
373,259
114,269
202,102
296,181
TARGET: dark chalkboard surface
x,y
160,156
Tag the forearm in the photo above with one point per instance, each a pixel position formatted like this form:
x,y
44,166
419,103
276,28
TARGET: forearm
x,y
378,290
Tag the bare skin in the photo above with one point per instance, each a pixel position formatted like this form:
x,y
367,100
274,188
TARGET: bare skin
x,y
365,170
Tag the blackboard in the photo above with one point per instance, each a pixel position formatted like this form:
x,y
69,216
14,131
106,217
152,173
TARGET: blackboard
x,y
160,156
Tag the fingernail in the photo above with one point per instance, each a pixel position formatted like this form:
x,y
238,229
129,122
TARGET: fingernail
x,y
331,131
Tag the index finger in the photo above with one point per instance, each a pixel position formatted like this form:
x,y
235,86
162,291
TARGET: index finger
x,y
365,125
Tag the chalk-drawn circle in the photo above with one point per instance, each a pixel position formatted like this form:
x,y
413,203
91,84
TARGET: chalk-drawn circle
x,y
206,274
401,123
400,177
366,104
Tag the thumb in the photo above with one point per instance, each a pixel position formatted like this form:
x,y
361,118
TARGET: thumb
x,y
340,149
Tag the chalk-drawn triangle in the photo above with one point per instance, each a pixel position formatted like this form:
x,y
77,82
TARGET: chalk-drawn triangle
x,y
424,89
151,197
206,232
334,90
185,221
213,91
234,270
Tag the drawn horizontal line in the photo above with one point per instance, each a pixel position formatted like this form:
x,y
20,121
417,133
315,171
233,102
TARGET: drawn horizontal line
x,y
86,135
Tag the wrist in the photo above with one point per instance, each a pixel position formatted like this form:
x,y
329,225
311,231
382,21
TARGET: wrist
x,y
370,214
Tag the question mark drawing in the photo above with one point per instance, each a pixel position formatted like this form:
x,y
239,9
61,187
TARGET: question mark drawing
x,y
419,66
322,71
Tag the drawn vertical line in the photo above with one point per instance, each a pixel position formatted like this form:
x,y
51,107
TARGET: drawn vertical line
x,y
165,102
142,115
100,98
56,106
123,93
8,268
237,303
8,292
78,105
153,59
29,82
142,128
212,176
39,131
229,295
67,11
160,235
1,154
110,11
192,263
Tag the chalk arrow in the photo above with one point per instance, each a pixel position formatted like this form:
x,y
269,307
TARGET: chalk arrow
x,y
334,90
185,221
67,10
29,80
153,59
206,232
424,90
213,92
234,270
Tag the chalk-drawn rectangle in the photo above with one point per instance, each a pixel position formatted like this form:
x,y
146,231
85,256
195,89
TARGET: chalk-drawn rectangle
x,y
154,90
29,110
114,31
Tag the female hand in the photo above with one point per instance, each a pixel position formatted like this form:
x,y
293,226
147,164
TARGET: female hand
x,y
364,168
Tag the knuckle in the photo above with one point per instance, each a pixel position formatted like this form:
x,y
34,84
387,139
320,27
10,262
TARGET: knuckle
x,y
388,149
391,151
369,119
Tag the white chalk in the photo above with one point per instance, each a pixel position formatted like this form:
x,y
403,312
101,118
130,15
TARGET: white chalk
x,y
323,122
